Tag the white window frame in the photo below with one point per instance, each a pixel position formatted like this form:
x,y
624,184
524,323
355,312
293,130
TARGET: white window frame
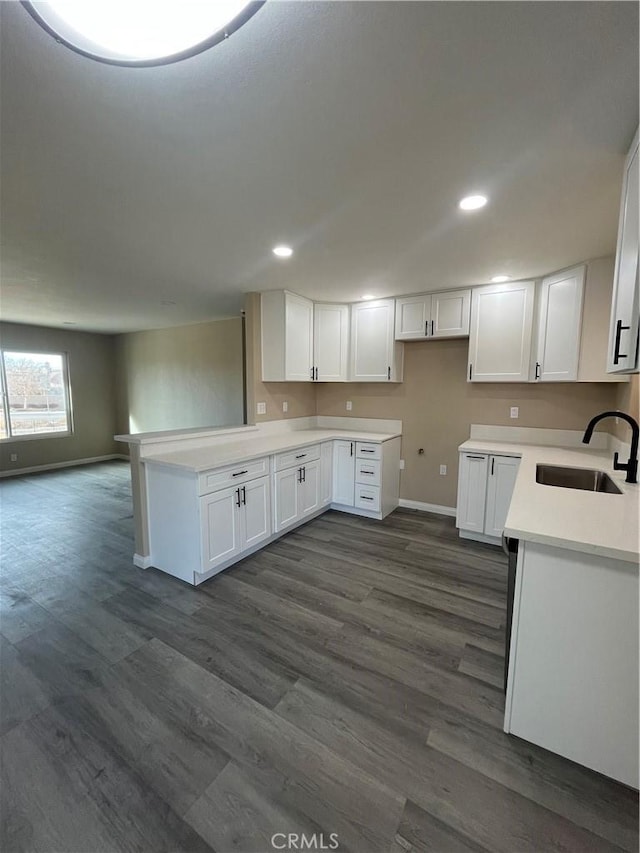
x,y
4,393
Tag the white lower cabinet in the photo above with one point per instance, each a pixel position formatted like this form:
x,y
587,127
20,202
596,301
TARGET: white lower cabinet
x,y
344,467
326,473
296,493
234,520
485,487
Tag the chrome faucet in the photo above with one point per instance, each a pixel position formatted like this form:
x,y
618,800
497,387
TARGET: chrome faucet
x,y
631,466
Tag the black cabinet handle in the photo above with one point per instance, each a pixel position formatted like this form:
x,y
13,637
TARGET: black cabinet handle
x,y
368,473
239,473
493,462
617,355
316,374
301,455
351,454
388,373
365,498
432,328
366,450
471,456
238,501
537,370
244,496
426,328
311,371
470,371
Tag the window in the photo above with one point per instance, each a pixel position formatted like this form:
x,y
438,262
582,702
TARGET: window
x,y
35,395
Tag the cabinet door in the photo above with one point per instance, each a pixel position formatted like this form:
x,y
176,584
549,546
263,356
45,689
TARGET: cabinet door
x,y
472,491
344,469
309,489
501,480
412,317
298,338
623,329
500,333
285,497
331,342
256,508
559,326
221,527
326,473
372,341
450,314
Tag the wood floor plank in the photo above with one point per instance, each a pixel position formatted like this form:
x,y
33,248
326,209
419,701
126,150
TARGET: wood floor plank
x,y
310,778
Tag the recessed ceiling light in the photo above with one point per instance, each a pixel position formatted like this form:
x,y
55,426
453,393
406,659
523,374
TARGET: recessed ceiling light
x,y
69,323
498,279
473,202
140,32
367,296
282,251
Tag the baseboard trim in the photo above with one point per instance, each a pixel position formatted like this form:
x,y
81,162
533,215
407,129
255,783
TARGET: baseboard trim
x,y
142,562
34,469
424,507
480,537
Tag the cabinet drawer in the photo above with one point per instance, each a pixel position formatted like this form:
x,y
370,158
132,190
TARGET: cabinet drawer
x,y
297,457
368,472
368,497
368,451
230,475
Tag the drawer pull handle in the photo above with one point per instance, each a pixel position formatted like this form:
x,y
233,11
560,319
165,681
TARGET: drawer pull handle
x,y
365,498
471,456
368,473
301,455
364,450
239,473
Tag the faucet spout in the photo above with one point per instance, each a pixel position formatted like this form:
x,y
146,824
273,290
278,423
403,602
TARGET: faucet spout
x,y
631,466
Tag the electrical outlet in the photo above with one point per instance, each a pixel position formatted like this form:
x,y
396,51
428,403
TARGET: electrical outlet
x,y
285,406
261,409
14,457
402,464
515,412
443,470
349,405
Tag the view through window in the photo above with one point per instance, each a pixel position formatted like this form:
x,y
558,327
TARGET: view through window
x,y
35,395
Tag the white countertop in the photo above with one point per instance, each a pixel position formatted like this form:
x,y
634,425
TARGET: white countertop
x,y
590,522
241,450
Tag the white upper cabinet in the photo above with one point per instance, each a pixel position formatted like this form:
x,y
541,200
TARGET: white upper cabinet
x,y
375,356
287,337
623,327
450,313
559,326
500,333
330,342
413,315
433,315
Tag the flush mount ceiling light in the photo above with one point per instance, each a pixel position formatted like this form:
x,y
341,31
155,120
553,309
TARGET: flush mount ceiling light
x,y
141,32
499,279
282,251
473,202
367,296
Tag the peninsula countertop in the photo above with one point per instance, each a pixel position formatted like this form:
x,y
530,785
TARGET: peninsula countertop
x,y
589,522
248,447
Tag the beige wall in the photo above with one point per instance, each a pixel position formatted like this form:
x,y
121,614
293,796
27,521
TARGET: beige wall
x,y
628,400
187,376
437,406
300,396
90,360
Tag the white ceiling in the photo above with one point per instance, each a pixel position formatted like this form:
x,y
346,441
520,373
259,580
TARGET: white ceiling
x,y
348,130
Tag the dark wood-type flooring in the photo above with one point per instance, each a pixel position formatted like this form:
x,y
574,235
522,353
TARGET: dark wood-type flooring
x,y
346,679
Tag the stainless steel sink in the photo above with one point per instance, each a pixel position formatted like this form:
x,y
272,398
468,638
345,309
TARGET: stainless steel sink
x,y
587,479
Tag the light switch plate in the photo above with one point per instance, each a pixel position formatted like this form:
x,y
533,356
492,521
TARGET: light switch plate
x,y
349,405
285,406
443,470
515,412
402,464
261,409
